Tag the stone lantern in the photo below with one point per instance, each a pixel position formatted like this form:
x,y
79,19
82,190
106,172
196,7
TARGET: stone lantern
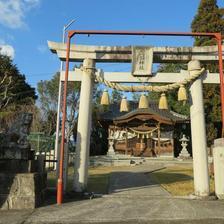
x,y
111,151
184,154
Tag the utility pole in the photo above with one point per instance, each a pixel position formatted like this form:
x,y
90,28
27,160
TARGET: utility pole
x,y
57,154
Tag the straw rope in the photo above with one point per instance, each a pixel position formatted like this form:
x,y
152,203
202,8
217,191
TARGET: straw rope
x,y
142,132
149,88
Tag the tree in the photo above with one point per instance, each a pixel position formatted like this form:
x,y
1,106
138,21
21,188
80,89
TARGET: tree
x,y
210,18
13,86
116,96
15,92
48,99
135,96
98,140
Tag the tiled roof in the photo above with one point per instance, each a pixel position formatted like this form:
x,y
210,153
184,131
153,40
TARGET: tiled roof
x,y
114,113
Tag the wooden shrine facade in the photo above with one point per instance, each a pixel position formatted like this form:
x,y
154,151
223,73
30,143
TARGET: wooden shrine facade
x,y
143,132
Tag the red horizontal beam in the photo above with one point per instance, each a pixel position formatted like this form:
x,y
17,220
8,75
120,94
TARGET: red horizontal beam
x,y
109,32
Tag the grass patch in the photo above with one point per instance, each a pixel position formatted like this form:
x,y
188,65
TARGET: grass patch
x,y
98,180
178,180
98,184
51,179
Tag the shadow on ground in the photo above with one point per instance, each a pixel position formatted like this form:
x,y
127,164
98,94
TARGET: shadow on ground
x,y
116,182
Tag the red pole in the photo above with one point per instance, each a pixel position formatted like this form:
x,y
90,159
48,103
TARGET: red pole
x,y
219,41
60,178
71,33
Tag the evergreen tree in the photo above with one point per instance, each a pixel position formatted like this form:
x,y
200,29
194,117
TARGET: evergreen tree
x,y
116,96
15,92
210,18
98,140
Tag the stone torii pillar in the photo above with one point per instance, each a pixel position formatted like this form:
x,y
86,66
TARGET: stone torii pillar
x,y
198,134
84,127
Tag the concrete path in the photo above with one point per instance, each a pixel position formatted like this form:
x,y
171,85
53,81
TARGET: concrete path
x,y
134,199
124,210
135,181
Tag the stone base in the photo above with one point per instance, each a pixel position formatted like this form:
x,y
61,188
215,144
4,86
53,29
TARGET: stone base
x,y
22,191
218,158
184,154
111,153
116,160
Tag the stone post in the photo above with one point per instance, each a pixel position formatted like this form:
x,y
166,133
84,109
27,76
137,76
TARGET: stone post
x,y
198,134
218,159
84,127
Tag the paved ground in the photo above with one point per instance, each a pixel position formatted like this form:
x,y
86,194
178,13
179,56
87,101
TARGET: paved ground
x,y
135,181
131,200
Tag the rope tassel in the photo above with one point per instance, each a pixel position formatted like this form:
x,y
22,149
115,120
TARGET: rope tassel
x,y
105,98
124,107
163,105
143,102
182,93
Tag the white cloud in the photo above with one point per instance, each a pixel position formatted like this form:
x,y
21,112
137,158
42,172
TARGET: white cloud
x,y
7,50
12,12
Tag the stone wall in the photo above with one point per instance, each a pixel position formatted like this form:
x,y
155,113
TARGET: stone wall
x,y
22,178
22,190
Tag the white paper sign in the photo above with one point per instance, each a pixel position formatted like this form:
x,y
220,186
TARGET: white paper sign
x,y
142,58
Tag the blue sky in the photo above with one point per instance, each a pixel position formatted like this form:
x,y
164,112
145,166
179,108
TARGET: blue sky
x,y
26,25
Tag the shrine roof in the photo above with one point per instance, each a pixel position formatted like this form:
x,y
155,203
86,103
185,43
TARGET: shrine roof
x,y
166,116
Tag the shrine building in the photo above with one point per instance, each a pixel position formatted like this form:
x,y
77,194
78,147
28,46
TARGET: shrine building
x,y
148,132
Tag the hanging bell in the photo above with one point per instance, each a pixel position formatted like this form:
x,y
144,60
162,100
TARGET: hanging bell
x,y
163,105
105,98
182,93
143,102
124,107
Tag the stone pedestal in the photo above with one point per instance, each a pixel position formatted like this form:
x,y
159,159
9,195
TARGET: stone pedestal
x,y
184,154
218,158
22,183
22,178
22,190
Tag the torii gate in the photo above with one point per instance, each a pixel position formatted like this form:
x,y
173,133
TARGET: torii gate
x,y
92,54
